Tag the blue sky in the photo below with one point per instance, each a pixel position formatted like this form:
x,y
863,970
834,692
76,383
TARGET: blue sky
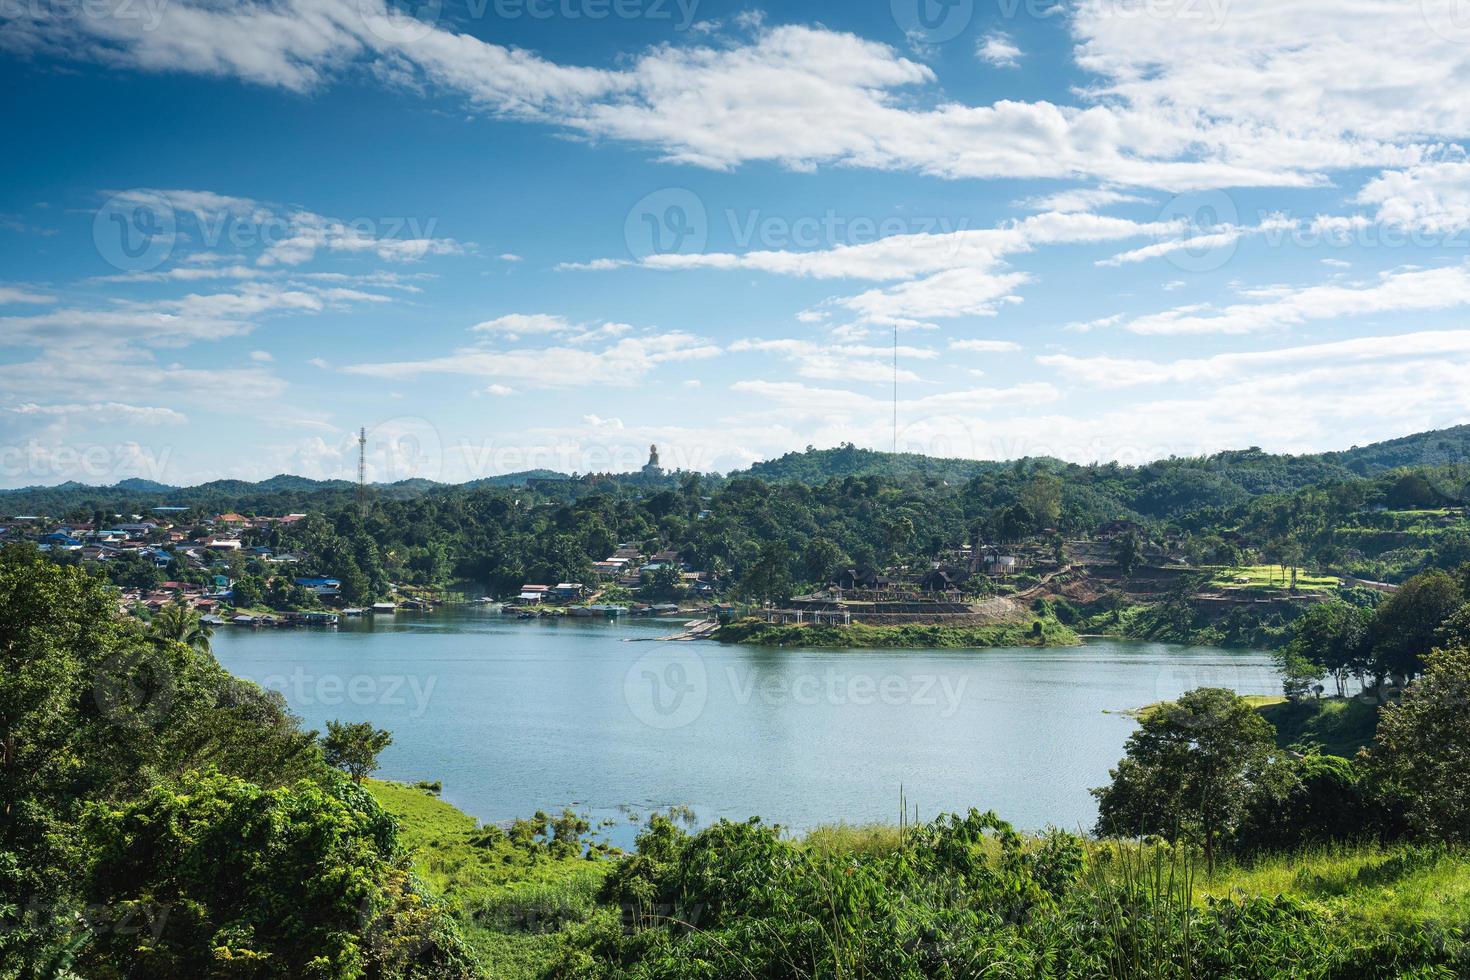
x,y
505,235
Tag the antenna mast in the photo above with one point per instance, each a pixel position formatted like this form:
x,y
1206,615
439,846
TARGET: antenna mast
x,y
362,497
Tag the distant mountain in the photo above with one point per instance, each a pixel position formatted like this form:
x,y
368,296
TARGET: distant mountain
x,y
519,479
143,486
820,465
1166,487
1437,447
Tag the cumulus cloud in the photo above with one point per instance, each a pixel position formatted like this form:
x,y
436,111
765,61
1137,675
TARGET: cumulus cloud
x,y
997,48
1400,291
805,96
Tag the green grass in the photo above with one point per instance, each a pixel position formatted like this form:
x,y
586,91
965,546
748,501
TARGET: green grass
x,y
917,636
1338,726
513,907
1389,886
1394,885
1272,577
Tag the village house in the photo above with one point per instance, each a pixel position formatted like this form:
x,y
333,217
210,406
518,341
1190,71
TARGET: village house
x,y
532,594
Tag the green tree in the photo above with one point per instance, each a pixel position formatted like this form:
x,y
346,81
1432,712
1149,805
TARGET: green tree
x,y
821,557
1422,748
1335,637
769,578
1406,627
177,622
1127,552
223,878
354,747
1188,770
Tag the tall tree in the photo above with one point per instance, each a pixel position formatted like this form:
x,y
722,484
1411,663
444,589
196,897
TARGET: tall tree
x,y
1422,748
177,622
1188,770
354,747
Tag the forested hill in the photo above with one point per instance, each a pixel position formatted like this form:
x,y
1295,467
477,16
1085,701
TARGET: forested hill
x,y
815,466
1439,447
1164,488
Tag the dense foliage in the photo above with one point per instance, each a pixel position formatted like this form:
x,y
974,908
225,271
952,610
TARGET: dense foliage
x,y
1373,513
162,818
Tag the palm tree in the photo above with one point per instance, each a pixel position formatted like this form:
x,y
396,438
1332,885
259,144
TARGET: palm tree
x,y
177,622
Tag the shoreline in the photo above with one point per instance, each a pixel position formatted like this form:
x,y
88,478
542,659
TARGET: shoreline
x,y
916,636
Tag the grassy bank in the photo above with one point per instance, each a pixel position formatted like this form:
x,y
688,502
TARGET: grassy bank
x,y
1035,633
516,902
1336,726
946,898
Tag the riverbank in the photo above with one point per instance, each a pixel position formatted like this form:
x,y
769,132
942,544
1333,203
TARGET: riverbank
x,y
530,909
917,636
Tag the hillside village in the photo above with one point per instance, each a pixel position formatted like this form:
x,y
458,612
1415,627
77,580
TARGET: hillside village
x,y
177,554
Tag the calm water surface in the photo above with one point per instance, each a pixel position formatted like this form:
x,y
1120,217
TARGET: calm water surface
x,y
515,716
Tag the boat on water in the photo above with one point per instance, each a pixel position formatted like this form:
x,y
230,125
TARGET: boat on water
x,y
352,611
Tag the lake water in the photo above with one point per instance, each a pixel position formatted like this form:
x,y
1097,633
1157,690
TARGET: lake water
x,y
515,716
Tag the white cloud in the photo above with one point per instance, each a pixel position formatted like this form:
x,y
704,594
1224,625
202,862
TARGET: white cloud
x,y
1430,289
520,324
1080,199
509,257
1116,372
997,48
1433,198
985,346
623,363
261,355
1087,326
948,274
839,362
109,412
14,295
499,390
803,96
